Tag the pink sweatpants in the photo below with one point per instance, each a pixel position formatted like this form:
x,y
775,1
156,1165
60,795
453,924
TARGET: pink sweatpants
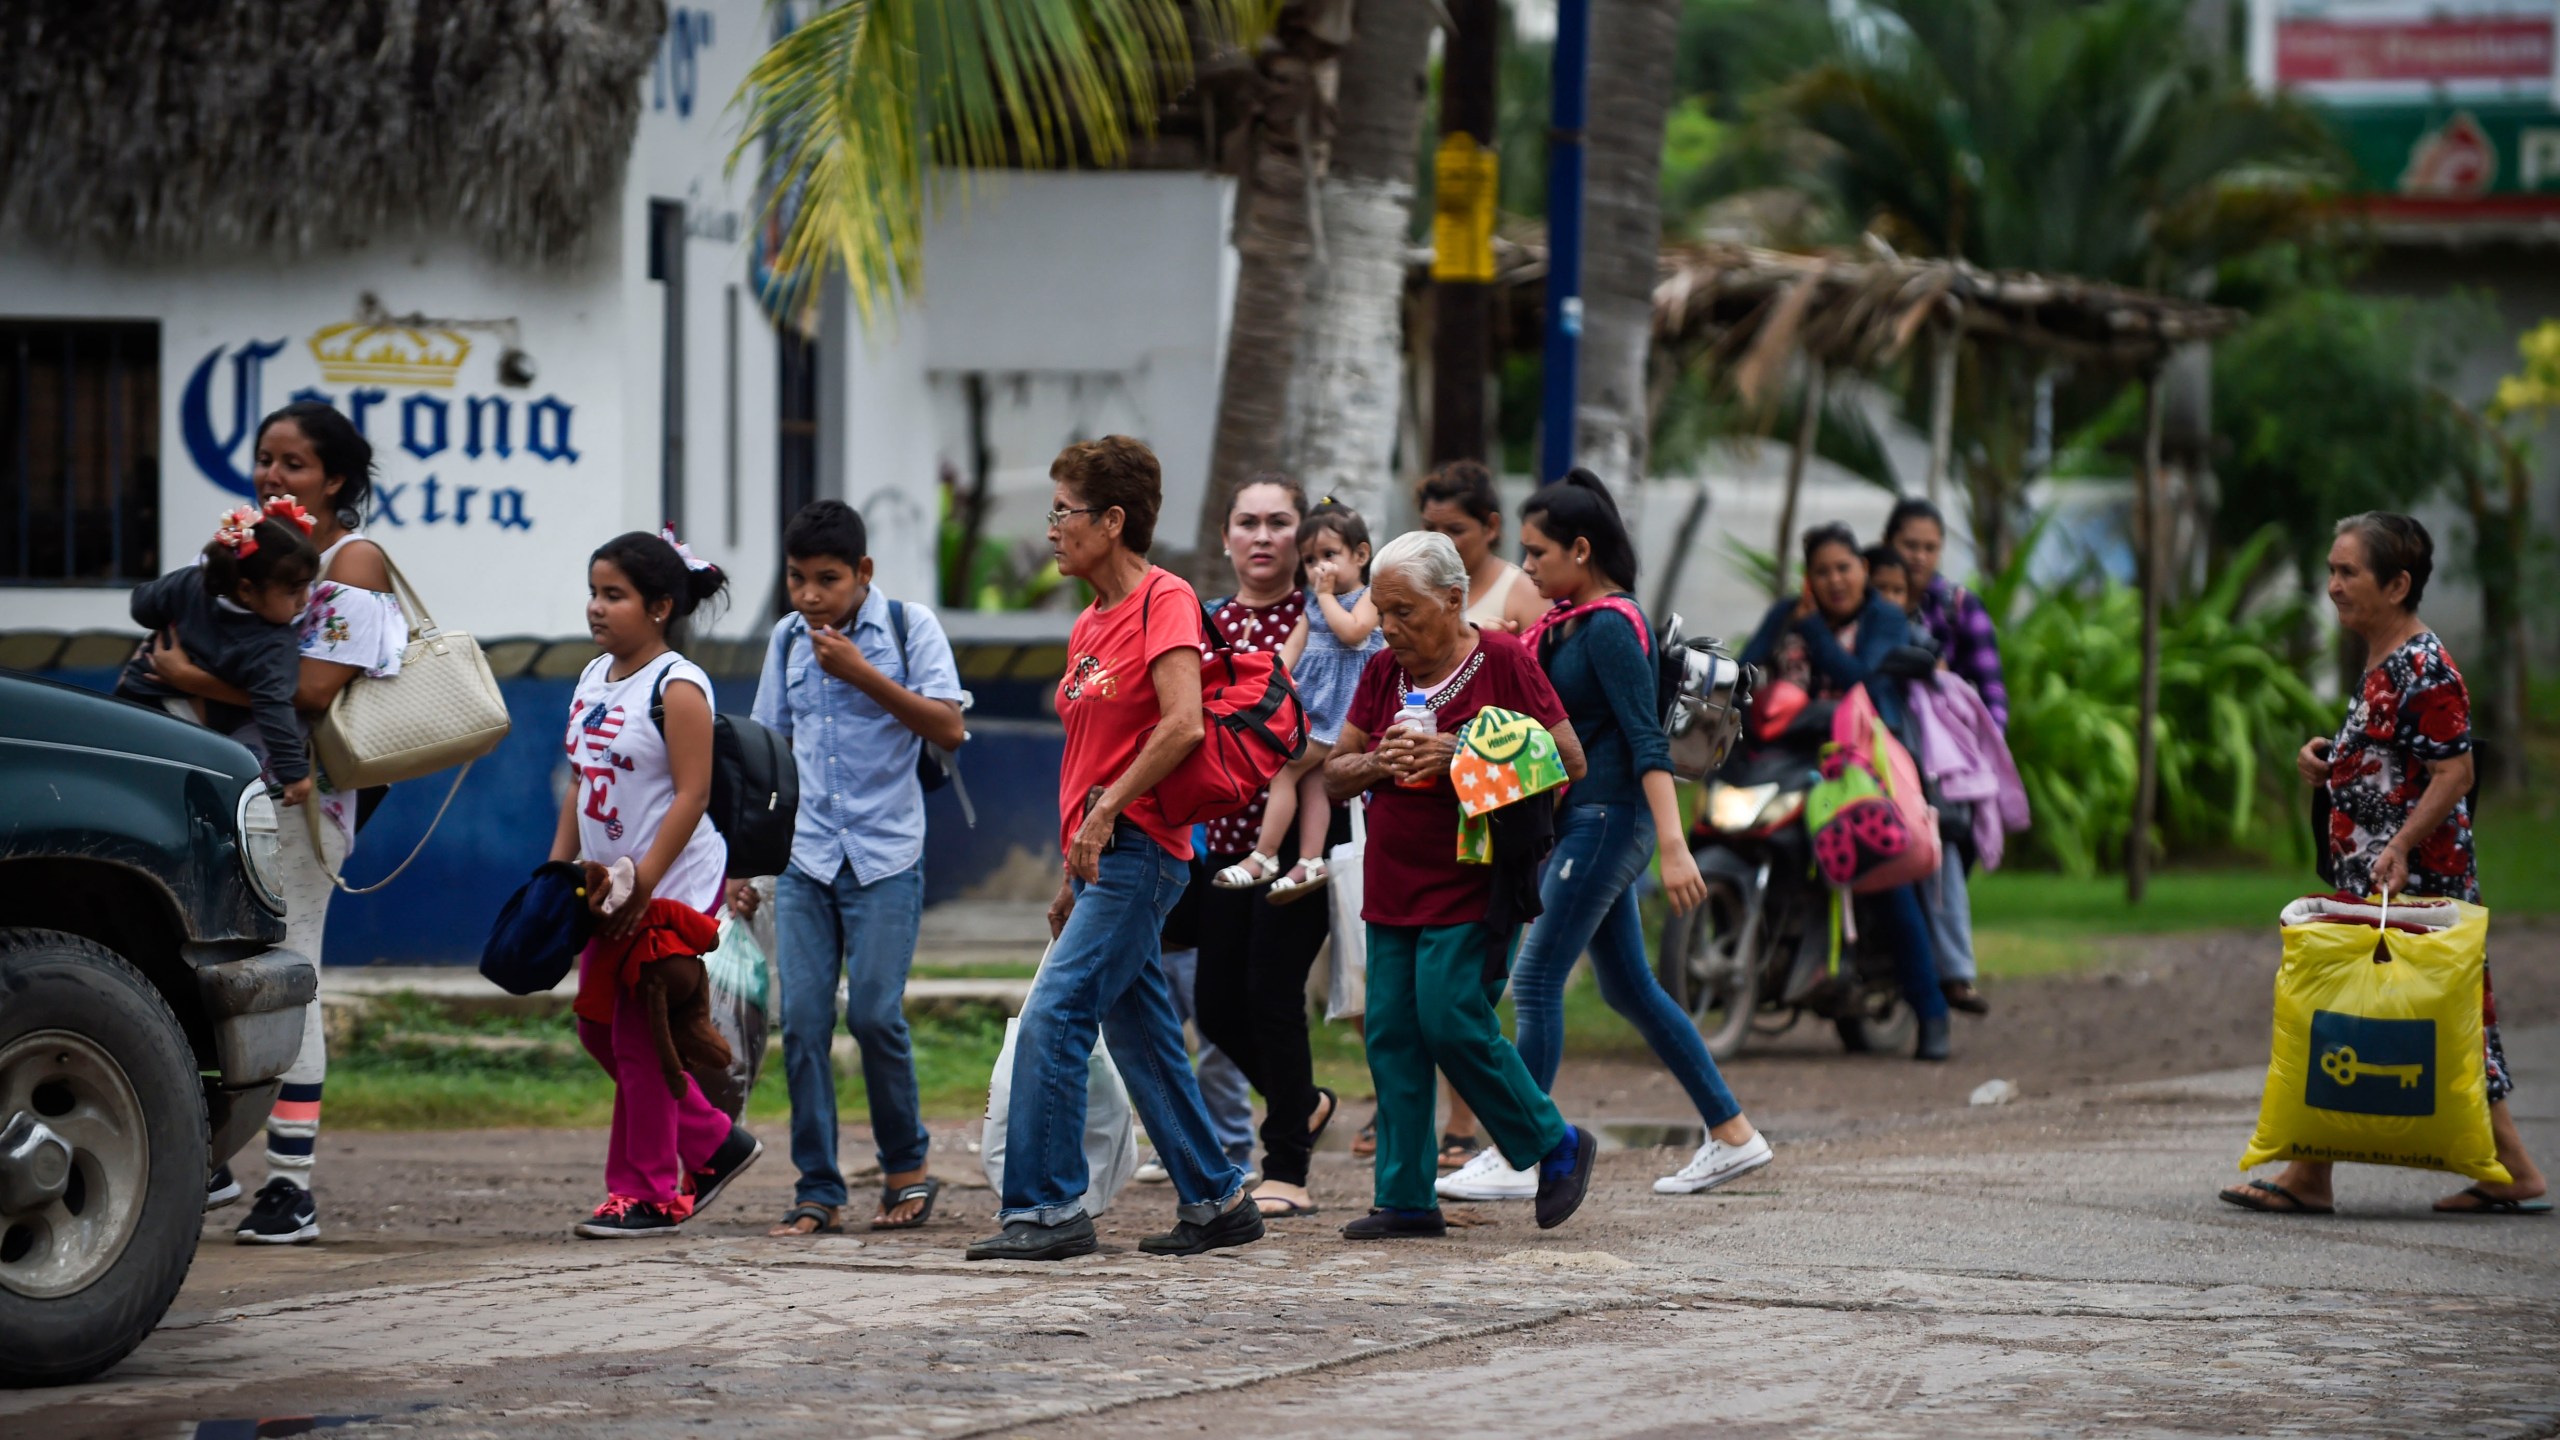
x,y
656,1138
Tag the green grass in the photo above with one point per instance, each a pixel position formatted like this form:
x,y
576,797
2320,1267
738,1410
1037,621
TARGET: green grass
x,y
393,1077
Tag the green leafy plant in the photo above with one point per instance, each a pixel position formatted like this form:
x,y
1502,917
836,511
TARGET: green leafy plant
x,y
2233,705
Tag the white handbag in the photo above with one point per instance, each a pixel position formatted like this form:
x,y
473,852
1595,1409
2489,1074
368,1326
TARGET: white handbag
x,y
441,710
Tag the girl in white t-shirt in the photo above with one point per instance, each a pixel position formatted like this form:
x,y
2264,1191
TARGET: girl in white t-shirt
x,y
639,748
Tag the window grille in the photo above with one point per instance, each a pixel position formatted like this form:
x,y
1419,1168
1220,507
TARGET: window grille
x,y
80,450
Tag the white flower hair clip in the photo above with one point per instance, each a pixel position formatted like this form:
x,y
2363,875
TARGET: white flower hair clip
x,y
684,552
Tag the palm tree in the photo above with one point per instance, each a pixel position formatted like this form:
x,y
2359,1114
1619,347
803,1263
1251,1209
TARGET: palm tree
x,y
1288,133
1344,397
1634,48
2090,139
854,106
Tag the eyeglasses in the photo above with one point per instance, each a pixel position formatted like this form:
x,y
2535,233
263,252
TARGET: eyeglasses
x,y
1059,516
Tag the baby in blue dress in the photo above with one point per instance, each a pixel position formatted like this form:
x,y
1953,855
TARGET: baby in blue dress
x,y
1325,655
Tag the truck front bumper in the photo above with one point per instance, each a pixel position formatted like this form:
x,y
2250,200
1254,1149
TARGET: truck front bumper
x,y
256,1008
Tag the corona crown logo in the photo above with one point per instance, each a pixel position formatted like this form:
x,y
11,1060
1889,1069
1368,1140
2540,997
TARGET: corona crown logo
x,y
354,353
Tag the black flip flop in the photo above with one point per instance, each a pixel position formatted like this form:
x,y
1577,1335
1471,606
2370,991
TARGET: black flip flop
x,y
1332,1107
1289,1209
2293,1204
891,1198
825,1215
2499,1205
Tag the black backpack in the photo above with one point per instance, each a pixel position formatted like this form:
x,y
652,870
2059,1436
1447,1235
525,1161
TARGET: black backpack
x,y
755,788
935,766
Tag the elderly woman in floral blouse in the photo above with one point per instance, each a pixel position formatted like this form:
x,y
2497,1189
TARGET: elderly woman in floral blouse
x,y
2399,777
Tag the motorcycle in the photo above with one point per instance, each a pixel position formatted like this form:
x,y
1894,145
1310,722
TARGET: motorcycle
x,y
1750,959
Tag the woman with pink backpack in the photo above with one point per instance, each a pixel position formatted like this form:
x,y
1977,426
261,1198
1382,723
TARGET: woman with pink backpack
x,y
1597,649
1826,643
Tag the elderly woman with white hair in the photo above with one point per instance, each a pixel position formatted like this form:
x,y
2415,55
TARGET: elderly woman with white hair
x,y
1437,964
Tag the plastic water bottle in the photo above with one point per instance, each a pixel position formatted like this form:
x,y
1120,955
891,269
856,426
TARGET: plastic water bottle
x,y
1418,714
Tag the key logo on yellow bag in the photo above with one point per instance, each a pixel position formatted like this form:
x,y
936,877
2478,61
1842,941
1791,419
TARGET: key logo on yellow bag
x,y
2366,1066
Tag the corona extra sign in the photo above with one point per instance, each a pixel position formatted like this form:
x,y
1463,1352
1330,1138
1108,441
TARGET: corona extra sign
x,y
399,385
356,354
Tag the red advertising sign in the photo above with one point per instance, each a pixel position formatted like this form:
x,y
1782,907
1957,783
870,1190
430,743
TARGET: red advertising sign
x,y
2447,51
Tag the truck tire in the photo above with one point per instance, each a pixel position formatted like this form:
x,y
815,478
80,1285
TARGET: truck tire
x,y
90,1048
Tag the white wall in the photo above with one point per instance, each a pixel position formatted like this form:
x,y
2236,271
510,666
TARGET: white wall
x,y
687,130
1095,300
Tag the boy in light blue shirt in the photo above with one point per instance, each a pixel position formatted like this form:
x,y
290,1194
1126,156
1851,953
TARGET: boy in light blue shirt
x,y
858,684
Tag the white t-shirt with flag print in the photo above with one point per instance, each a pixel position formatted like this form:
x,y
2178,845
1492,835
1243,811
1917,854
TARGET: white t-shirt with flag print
x,y
618,764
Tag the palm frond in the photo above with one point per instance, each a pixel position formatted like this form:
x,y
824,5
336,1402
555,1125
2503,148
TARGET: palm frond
x,y
852,108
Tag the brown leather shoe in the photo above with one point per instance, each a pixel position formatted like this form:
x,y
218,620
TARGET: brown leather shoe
x,y
1962,996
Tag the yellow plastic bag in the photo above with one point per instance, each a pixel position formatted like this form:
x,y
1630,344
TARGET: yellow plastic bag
x,y
2379,1062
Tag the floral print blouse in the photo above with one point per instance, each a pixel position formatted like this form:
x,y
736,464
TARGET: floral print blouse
x,y
2411,712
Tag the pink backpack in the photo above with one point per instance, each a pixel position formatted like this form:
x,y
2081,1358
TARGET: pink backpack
x,y
1873,826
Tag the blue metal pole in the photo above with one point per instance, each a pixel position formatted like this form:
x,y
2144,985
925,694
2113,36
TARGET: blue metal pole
x,y
1563,354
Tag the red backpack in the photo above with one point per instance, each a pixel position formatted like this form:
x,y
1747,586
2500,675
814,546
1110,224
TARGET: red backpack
x,y
1255,726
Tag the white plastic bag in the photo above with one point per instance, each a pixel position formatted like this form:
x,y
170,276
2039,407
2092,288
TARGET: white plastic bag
x,y
1347,992
741,990
763,926
1110,1129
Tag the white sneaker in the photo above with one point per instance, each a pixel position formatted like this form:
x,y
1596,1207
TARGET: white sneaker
x,y
1714,1164
1488,1177
1153,1173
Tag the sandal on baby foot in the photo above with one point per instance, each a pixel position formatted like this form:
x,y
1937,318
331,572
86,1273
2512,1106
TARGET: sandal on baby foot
x,y
1254,869
1298,884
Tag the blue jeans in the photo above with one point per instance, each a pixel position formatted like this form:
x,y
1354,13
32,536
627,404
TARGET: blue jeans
x,y
1950,906
867,933
1907,924
1222,1085
1102,976
1589,891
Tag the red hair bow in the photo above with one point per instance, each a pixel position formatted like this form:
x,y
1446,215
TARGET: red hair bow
x,y
285,507
239,532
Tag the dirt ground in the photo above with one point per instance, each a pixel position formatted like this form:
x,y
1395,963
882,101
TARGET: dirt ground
x,y
1910,1266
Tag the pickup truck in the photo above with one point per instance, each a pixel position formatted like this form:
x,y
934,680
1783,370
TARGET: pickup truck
x,y
146,1011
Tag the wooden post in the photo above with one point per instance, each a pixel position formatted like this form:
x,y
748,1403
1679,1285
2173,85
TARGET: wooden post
x,y
2153,512
1942,410
1806,427
1462,235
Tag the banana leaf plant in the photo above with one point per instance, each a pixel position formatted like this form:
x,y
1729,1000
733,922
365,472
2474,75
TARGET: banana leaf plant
x,y
2234,707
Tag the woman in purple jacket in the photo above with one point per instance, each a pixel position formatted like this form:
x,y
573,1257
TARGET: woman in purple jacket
x,y
1946,610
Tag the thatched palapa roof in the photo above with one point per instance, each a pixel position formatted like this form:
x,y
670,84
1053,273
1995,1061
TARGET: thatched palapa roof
x,y
1748,310
161,129
1752,306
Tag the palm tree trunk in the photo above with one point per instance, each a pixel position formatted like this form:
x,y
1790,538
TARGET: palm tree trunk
x,y
1285,149
1346,394
1633,44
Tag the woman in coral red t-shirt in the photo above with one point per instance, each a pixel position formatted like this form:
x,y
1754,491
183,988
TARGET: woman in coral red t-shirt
x,y
1130,702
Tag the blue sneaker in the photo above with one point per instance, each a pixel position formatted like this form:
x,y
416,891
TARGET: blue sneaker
x,y
1564,1177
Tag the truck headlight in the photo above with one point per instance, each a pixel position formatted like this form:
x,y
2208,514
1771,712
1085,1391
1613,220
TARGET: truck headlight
x,y
261,845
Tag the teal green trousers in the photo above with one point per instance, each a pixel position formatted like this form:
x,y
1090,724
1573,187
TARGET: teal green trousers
x,y
1431,998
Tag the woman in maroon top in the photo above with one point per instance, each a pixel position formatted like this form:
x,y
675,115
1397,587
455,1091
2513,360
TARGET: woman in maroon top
x,y
1437,957
1251,993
